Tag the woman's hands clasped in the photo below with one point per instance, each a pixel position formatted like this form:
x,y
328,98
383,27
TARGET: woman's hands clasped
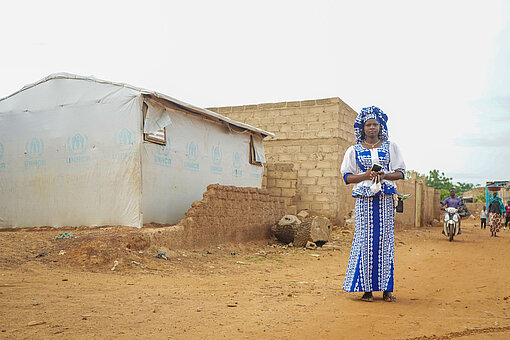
x,y
374,176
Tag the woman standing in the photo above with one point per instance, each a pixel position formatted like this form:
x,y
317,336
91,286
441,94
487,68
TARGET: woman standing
x,y
496,210
370,265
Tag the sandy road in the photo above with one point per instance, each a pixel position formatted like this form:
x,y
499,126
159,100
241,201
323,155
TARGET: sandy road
x,y
447,290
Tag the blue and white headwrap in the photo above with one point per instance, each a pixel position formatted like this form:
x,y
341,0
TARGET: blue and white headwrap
x,y
366,114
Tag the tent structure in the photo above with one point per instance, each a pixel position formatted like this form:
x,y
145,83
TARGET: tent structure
x,y
78,151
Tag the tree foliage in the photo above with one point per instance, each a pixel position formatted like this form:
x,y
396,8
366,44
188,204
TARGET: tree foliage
x,y
440,181
480,198
463,187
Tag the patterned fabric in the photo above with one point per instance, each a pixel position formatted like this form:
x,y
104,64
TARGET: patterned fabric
x,y
494,222
372,256
366,114
507,209
364,162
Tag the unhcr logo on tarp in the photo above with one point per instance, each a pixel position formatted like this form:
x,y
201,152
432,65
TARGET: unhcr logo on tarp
x,y
237,172
34,149
192,154
164,150
2,165
77,145
216,159
162,158
125,139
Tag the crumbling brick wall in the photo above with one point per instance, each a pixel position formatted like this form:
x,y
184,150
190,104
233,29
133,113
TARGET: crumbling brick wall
x,y
231,214
313,135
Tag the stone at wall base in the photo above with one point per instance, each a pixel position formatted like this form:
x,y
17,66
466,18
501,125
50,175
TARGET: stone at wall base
x,y
303,214
313,229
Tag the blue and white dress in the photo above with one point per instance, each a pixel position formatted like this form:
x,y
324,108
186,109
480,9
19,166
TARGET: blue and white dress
x,y
373,248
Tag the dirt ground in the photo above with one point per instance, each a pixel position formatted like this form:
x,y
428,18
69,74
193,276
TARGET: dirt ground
x,y
66,288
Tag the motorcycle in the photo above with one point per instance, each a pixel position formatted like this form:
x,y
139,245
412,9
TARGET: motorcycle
x,y
451,223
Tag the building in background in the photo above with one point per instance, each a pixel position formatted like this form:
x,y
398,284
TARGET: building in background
x,y
305,155
82,151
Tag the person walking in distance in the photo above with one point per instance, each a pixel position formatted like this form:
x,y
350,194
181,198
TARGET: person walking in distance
x,y
373,165
507,215
496,210
483,218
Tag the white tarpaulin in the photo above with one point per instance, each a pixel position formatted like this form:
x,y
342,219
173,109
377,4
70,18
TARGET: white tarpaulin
x,y
72,153
71,156
197,153
258,148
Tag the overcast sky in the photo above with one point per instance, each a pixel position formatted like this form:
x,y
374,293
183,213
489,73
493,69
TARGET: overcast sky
x,y
439,69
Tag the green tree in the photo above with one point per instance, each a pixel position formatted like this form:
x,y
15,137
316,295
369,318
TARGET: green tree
x,y
480,198
463,187
439,181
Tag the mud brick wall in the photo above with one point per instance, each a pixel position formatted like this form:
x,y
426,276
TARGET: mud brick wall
x,y
313,135
230,214
405,220
475,208
427,204
430,205
280,179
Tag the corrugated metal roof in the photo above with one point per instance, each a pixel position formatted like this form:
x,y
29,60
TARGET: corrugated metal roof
x,y
192,108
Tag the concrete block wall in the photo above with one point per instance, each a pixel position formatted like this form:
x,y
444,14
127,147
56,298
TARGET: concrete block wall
x,y
281,182
308,119
313,135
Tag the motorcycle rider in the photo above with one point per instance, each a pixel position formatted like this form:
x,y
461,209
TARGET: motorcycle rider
x,y
453,202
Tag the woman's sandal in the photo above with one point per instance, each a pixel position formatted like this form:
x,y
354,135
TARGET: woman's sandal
x,y
388,297
367,297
